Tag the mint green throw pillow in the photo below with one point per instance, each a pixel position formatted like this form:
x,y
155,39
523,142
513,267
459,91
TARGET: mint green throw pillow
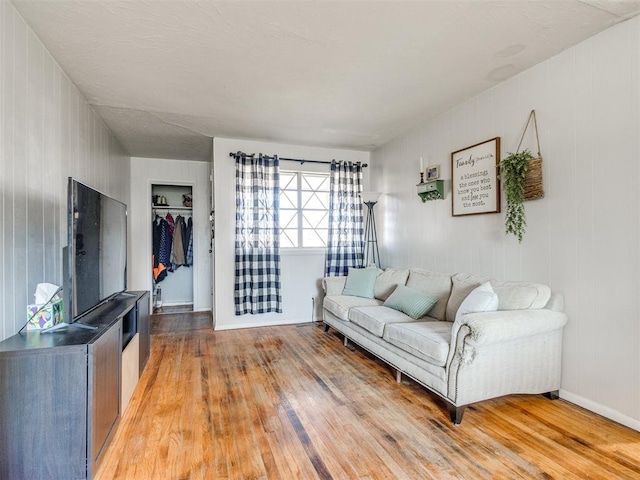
x,y
360,282
411,302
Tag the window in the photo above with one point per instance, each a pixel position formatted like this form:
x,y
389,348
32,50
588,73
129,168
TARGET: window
x,y
304,209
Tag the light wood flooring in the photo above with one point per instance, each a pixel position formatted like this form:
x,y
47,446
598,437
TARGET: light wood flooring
x,y
292,402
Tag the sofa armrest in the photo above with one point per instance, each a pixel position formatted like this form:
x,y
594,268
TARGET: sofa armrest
x,y
333,285
499,353
505,325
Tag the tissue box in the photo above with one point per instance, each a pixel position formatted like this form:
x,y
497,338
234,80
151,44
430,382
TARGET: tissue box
x,y
47,317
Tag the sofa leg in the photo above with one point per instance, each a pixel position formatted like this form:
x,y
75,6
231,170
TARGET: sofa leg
x,y
455,413
554,395
346,342
326,327
398,376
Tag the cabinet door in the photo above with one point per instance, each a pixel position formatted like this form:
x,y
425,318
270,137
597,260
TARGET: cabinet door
x,y
144,328
105,356
43,419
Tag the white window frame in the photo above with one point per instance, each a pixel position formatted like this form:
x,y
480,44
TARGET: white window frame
x,y
300,209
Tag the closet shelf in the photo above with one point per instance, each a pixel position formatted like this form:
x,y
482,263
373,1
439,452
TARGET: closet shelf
x,y
167,207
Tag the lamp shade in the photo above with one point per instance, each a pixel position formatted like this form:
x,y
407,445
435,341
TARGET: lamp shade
x,y
370,196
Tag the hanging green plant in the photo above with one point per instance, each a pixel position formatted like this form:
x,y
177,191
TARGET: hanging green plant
x,y
513,170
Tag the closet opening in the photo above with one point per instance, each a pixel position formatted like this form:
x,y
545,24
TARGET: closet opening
x,y
172,247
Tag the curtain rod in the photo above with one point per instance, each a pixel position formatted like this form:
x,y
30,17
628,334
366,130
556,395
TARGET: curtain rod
x,y
302,161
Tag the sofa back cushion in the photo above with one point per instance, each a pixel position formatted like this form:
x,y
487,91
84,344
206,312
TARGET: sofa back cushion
x,y
387,282
511,295
434,284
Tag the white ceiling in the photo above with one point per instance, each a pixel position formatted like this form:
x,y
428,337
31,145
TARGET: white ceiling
x,y
166,76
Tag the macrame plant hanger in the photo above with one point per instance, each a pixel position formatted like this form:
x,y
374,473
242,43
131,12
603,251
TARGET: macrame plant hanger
x,y
533,188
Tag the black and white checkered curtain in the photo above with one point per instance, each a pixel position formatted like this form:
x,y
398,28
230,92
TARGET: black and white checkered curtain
x,y
344,242
257,288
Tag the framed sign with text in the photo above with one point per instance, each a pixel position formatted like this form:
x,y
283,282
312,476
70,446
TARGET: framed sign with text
x,y
475,187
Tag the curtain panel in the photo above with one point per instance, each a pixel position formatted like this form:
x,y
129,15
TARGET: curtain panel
x,y
257,283
345,238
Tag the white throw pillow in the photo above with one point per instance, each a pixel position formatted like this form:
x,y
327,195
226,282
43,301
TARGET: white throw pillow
x,y
481,299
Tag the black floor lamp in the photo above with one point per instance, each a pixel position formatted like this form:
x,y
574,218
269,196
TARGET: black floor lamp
x,y
370,253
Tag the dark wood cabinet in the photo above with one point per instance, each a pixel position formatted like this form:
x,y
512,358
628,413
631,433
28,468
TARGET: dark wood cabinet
x,y
43,404
104,396
60,392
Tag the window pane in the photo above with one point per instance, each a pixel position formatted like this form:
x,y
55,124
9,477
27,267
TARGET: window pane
x,y
315,182
288,218
315,219
314,238
289,237
288,181
288,199
315,200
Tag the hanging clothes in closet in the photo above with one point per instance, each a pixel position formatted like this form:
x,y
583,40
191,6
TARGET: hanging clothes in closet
x,y
189,242
172,244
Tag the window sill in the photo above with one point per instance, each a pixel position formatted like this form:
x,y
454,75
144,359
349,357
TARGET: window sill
x,y
301,251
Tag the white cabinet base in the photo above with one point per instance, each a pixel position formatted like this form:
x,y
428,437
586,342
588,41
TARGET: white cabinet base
x,y
130,371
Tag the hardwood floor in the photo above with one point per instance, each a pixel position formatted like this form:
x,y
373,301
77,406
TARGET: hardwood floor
x,y
292,402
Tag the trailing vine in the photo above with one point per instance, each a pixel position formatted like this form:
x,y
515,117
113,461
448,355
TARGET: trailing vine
x,y
513,170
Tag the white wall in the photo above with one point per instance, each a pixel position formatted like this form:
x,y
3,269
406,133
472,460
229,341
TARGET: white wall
x,y
582,239
146,172
301,269
47,133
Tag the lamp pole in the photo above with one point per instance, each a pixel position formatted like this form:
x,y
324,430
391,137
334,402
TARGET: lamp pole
x,y
370,253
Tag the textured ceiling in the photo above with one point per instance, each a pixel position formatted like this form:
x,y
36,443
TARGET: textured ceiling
x,y
166,76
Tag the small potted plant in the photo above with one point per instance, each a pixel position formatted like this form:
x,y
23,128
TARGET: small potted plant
x,y
513,170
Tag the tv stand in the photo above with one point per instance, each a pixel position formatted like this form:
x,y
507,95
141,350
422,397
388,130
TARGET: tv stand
x,y
63,325
62,394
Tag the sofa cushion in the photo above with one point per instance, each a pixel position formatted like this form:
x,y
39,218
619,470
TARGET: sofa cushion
x,y
374,319
426,340
463,285
360,282
333,285
434,284
521,295
481,299
387,281
412,302
339,305
511,295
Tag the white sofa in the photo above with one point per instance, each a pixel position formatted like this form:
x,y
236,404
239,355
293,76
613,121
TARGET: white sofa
x,y
516,349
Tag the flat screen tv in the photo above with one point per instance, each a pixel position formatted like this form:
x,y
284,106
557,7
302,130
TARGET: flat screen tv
x,y
96,249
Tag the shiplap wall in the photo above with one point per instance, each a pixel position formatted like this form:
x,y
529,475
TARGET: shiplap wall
x,y
47,133
301,269
582,239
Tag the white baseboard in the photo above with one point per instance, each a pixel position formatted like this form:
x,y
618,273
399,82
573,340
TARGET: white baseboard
x,y
606,412
237,326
